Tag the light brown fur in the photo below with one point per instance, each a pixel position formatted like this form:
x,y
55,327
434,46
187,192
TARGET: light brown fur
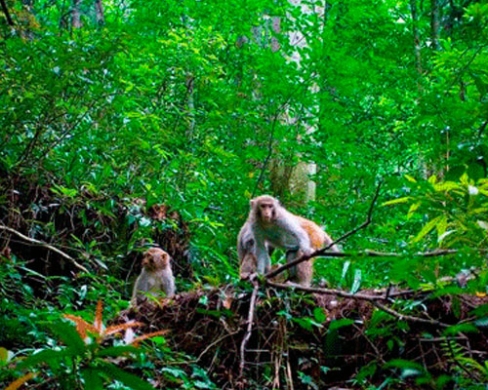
x,y
270,223
156,276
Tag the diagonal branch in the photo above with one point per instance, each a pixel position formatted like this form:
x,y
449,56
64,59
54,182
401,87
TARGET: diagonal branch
x,y
45,245
5,10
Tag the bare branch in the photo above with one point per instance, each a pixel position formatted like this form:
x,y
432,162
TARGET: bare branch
x,y
45,245
5,10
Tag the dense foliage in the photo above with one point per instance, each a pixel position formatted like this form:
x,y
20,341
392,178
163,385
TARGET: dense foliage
x,y
110,108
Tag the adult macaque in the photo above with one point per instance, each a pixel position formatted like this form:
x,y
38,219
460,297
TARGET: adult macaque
x,y
156,276
271,224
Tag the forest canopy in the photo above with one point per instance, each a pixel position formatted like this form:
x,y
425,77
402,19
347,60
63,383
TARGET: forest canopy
x,y
131,124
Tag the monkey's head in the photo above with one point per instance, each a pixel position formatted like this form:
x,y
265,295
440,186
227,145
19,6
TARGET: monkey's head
x,y
155,259
264,208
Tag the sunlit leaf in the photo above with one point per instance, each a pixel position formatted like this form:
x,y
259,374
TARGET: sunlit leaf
x,y
427,228
396,201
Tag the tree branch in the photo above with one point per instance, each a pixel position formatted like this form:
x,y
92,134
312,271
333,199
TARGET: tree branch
x,y
5,10
45,245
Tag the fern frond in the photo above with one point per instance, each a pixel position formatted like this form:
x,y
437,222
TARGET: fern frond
x,y
82,327
117,328
98,323
146,336
19,382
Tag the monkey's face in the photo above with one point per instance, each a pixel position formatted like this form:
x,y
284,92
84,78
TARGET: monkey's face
x,y
155,259
265,208
266,211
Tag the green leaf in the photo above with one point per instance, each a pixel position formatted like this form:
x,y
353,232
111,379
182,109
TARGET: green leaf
x,y
319,315
413,208
357,281
410,179
345,267
460,328
66,331
441,226
175,371
304,323
134,382
60,190
4,356
336,324
45,356
447,186
396,201
119,350
427,228
408,368
92,378
482,224
482,322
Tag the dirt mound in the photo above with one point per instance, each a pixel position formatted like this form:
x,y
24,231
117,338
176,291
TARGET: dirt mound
x,y
325,339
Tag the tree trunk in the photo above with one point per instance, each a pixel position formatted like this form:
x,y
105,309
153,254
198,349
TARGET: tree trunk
x,y
99,12
416,35
75,14
434,24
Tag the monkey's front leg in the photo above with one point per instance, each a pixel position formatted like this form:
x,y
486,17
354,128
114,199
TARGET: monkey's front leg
x,y
292,254
263,259
303,272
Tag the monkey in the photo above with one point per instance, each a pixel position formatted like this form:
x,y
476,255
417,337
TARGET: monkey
x,y
247,257
271,224
246,251
156,276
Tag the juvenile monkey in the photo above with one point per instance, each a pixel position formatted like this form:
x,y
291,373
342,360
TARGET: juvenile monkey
x,y
156,276
271,223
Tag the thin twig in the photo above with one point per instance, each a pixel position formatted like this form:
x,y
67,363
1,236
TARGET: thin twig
x,y
218,341
250,319
323,251
45,245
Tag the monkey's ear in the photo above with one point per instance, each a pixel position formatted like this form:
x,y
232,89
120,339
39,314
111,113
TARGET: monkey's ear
x,y
251,202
